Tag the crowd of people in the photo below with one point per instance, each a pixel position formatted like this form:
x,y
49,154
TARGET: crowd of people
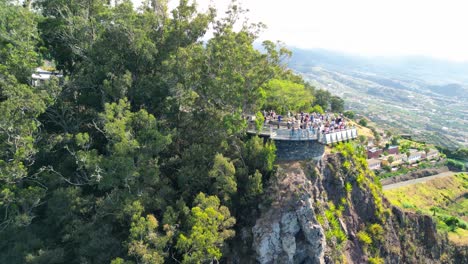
x,y
310,122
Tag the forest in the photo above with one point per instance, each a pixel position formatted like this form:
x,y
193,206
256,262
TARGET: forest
x,y
139,153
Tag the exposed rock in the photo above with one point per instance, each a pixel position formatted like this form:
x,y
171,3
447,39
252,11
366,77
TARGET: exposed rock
x,y
288,230
313,232
267,242
294,239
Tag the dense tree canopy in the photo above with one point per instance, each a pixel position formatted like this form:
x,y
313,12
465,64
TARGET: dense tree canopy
x,y
284,95
139,154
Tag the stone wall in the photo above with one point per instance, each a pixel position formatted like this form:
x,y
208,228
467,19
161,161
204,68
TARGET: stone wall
x,y
299,150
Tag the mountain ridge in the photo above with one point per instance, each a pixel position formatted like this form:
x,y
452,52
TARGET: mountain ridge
x,y
414,65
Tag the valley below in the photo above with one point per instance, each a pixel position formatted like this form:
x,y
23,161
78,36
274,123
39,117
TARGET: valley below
x,y
402,96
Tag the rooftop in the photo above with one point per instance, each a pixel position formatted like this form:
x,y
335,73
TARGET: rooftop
x,y
41,74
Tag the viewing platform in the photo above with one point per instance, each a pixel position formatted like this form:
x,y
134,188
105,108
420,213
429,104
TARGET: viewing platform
x,y
312,134
295,143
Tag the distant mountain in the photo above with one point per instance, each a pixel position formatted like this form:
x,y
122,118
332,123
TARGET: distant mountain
x,y
419,95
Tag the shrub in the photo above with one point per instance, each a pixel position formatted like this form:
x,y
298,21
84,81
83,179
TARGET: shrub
x,y
364,238
349,114
348,187
317,109
463,225
343,202
347,165
452,222
362,139
363,122
376,231
259,119
335,229
376,260
407,205
360,179
455,164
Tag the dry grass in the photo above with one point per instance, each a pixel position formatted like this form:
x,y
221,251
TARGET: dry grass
x,y
362,130
459,237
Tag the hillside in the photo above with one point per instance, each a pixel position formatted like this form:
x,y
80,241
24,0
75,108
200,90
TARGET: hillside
x,y
445,198
333,211
424,97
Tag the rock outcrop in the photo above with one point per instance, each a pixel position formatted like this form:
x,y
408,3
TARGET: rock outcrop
x,y
320,210
294,237
289,231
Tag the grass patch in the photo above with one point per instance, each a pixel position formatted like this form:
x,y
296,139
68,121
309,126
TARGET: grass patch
x,y
446,199
334,231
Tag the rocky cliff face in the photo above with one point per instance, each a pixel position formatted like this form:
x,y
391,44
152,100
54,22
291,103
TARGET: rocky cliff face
x,y
289,231
333,211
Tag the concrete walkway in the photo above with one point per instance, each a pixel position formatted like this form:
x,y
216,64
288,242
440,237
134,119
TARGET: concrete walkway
x,y
419,180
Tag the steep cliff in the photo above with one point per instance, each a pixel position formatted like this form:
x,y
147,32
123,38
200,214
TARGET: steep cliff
x,y
333,211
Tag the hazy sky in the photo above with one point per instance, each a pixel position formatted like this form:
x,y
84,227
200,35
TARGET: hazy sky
x,y
436,28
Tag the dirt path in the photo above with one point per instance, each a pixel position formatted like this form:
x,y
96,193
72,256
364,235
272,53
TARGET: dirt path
x,y
419,180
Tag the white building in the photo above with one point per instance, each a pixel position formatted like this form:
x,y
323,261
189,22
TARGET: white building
x,y
40,76
414,156
374,164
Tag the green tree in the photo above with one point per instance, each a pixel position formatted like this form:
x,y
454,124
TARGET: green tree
x,y
426,150
253,190
452,222
317,109
363,122
259,155
259,120
255,186
322,98
146,117
350,114
70,28
434,210
144,241
388,133
286,95
134,142
362,139
18,42
336,104
210,225
20,107
223,173
461,153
